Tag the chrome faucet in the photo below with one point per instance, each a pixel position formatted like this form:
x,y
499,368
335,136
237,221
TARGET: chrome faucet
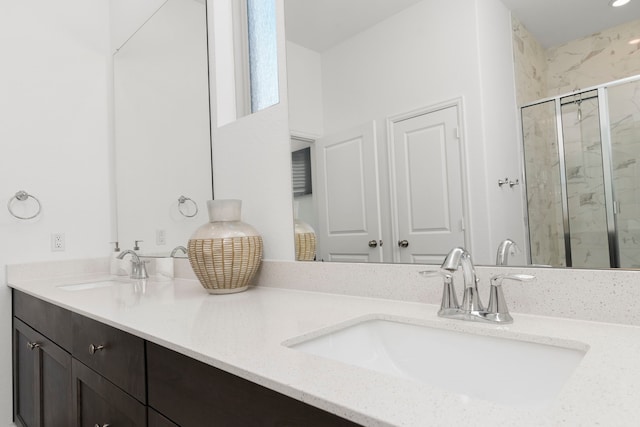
x,y
472,308
506,246
459,257
138,267
175,250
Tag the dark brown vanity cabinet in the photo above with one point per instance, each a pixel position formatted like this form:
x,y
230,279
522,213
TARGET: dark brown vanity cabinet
x,y
72,371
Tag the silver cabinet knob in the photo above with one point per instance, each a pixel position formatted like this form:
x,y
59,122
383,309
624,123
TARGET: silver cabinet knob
x,y
33,345
103,425
403,243
373,243
94,348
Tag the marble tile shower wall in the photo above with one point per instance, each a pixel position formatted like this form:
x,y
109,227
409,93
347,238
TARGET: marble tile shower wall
x,y
543,185
530,65
589,61
592,60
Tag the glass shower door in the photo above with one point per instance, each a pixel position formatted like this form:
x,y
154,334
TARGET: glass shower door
x,y
544,187
585,184
624,118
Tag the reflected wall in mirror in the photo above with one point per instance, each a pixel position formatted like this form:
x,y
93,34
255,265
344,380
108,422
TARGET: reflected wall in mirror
x,y
357,83
162,131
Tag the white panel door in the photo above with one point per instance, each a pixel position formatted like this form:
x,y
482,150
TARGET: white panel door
x,y
427,182
348,196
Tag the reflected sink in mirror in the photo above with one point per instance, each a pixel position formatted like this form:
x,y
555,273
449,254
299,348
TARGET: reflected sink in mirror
x,y
506,371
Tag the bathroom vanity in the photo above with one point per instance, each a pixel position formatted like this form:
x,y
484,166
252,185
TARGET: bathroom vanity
x,y
107,350
63,377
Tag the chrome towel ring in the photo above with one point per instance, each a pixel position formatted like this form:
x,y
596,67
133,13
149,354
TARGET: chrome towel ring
x,y
182,200
23,196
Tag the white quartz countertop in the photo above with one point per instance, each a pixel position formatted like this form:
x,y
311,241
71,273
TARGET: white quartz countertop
x,y
243,334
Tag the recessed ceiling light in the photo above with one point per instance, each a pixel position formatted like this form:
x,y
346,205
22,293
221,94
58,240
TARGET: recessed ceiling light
x,y
634,41
618,3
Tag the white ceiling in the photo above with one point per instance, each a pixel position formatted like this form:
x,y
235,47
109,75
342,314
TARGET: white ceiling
x,y
554,22
321,24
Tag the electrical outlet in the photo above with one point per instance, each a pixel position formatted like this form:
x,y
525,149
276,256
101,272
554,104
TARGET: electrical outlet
x,y
57,242
161,237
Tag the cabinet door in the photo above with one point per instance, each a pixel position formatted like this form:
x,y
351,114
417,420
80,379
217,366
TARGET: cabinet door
x,y
42,379
97,402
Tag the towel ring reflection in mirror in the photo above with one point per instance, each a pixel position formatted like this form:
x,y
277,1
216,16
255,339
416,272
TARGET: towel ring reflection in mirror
x,y
23,196
182,201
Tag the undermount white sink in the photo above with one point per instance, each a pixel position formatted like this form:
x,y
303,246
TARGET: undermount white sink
x,y
506,371
90,285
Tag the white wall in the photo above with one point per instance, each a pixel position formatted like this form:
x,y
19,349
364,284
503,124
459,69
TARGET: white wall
x,y
500,117
128,16
54,137
252,156
304,74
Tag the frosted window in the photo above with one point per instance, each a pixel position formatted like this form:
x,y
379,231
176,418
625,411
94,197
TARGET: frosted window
x,y
263,54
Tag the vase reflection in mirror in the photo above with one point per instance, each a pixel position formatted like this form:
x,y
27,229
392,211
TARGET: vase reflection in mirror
x,y
225,253
305,237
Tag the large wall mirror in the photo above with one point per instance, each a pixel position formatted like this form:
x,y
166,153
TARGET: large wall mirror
x,y
162,130
350,88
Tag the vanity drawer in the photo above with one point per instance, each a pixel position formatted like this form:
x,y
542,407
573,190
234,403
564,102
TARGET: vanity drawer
x,y
50,320
114,354
194,394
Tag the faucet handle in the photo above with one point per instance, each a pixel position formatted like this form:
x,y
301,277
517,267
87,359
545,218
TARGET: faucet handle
x,y
497,309
441,272
498,278
449,299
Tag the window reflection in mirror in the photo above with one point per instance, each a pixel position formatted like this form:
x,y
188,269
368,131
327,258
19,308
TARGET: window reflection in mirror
x,y
246,57
263,54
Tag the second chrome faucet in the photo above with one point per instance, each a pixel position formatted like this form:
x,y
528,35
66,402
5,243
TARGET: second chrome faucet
x,y
138,266
471,307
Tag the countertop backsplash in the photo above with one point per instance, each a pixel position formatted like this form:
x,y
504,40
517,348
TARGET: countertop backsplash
x,y
598,295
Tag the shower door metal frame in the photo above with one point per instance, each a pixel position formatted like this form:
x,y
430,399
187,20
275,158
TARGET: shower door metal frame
x,y
607,172
563,184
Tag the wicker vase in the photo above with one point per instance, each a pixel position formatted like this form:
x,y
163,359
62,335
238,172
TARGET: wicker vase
x,y
225,253
305,241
